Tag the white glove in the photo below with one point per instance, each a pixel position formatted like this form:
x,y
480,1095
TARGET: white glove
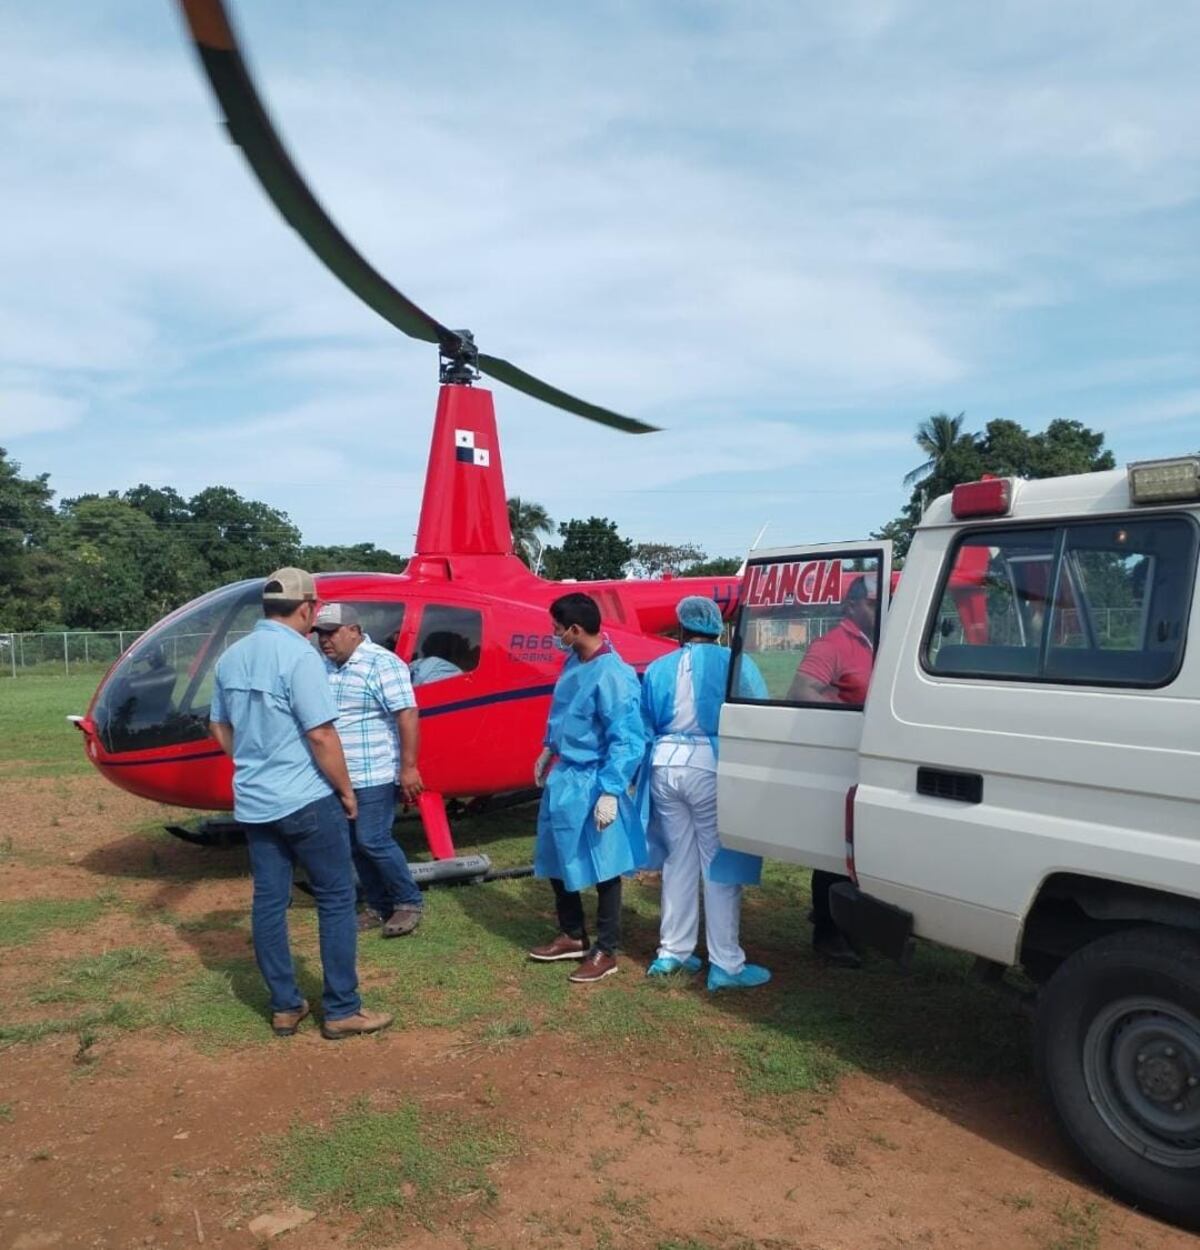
x,y
541,766
606,811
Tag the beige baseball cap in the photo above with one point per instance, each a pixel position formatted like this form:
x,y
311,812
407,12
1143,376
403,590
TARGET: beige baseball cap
x,y
290,585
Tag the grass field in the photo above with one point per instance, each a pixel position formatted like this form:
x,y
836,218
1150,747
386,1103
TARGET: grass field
x,y
175,961
799,1037
35,737
468,973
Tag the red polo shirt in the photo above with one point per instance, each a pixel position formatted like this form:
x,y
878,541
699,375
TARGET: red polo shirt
x,y
842,658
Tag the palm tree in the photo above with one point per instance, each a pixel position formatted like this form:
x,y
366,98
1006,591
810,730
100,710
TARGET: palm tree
x,y
528,521
935,437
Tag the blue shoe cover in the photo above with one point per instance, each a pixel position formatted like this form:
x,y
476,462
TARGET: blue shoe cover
x,y
664,965
750,976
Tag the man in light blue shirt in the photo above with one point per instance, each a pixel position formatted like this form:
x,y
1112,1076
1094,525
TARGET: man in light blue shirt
x,y
273,714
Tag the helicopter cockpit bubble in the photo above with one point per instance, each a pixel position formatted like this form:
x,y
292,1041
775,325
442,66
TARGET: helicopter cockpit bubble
x,y
158,693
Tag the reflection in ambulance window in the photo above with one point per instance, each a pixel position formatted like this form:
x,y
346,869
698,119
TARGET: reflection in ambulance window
x,y
808,630
1091,603
448,644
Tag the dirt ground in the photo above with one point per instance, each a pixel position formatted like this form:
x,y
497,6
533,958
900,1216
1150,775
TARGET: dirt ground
x,y
154,1141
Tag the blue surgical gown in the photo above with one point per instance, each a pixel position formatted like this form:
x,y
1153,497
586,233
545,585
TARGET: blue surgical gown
x,y
595,729
710,676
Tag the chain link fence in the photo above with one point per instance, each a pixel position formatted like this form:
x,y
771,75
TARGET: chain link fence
x,y
63,653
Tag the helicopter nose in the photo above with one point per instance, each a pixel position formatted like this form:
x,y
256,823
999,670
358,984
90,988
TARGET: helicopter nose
x,y
87,727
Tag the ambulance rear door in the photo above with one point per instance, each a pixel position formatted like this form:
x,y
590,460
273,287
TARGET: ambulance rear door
x,y
806,635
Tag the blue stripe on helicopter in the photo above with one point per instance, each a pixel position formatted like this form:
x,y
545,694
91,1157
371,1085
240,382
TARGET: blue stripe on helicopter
x,y
462,705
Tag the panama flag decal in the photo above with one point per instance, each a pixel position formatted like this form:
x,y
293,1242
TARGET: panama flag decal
x,y
466,451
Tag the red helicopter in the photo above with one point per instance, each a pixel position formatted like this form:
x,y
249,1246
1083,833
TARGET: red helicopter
x,y
466,611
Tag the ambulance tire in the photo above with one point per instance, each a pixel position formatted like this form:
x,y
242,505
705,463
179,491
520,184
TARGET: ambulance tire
x,y
1118,1049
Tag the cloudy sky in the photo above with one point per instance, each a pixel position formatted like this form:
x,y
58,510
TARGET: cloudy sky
x,y
786,232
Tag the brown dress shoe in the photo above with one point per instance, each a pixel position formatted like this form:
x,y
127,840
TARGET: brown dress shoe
x,y
367,920
285,1023
595,967
563,947
403,920
353,1026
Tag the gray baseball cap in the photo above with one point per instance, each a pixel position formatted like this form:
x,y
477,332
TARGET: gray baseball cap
x,y
332,616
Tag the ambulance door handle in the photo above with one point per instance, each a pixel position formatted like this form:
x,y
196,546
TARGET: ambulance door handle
x,y
949,783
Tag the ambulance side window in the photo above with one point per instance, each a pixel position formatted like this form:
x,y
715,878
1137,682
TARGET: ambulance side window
x,y
807,632
1089,603
994,604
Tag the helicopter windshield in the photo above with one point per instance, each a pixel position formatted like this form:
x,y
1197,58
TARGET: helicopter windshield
x,y
159,692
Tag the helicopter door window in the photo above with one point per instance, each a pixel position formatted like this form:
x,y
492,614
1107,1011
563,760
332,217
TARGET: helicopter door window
x,y
448,644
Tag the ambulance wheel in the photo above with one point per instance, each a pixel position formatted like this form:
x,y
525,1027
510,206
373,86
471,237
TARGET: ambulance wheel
x,y
1118,1043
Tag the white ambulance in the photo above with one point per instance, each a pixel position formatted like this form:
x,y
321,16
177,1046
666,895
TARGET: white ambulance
x,y
1020,780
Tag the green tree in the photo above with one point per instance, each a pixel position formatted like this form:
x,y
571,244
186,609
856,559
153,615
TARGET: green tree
x,y
118,567
359,558
718,566
528,522
655,559
591,550
163,505
1005,449
240,537
935,436
28,571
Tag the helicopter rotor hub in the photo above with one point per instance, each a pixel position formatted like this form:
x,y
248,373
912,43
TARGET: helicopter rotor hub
x,y
459,359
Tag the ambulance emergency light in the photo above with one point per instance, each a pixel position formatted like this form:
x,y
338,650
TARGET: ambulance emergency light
x,y
991,496
1161,481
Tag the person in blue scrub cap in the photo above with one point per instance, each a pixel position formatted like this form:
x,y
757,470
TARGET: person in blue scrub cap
x,y
589,827
682,693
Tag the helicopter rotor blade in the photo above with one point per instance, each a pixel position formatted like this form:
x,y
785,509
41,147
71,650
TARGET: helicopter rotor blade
x,y
519,380
251,128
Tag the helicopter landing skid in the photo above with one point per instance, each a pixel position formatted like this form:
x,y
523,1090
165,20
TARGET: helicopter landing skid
x,y
219,833
458,870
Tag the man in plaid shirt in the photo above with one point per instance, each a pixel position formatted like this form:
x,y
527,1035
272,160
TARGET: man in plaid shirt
x,y
377,724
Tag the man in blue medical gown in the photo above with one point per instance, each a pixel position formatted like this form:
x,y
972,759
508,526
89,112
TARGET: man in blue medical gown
x,y
589,828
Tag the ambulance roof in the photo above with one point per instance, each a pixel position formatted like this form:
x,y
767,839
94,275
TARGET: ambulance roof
x,y
1054,497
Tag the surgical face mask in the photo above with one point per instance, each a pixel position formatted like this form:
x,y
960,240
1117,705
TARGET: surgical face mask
x,y
561,643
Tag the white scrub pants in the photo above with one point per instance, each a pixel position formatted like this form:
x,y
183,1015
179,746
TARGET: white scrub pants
x,y
685,803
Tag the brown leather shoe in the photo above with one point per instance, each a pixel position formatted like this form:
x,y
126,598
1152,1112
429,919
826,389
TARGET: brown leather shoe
x,y
353,1026
285,1023
367,920
403,920
563,947
595,967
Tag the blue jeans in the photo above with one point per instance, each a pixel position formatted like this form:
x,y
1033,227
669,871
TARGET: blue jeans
x,y
314,836
382,867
